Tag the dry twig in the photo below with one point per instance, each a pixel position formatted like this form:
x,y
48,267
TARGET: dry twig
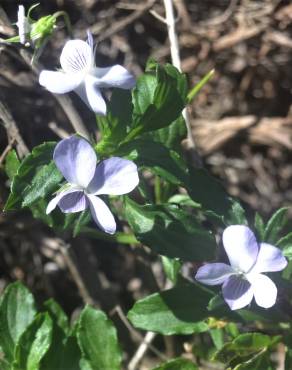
x,y
12,130
118,26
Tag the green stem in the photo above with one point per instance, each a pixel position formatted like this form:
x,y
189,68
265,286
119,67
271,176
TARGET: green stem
x,y
118,237
199,85
67,21
157,189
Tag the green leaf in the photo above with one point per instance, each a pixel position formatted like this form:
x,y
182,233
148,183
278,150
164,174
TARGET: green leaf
x,y
171,268
255,313
158,158
259,226
183,200
177,364
248,344
16,313
11,164
115,124
170,231
202,188
217,336
97,339
172,135
158,100
64,352
36,177
285,244
43,183
275,225
207,191
71,355
57,314
237,214
180,310
33,343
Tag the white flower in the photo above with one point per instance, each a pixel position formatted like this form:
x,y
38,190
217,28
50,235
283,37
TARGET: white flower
x,y
80,74
243,279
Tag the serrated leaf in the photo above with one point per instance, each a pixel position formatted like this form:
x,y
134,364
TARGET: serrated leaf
x,y
17,311
97,339
11,164
36,177
180,310
275,225
170,231
33,343
177,364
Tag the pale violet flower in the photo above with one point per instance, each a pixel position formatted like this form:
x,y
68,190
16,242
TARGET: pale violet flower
x,y
80,74
22,25
243,279
77,161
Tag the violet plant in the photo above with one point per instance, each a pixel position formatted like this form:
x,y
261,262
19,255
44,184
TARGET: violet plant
x,y
141,128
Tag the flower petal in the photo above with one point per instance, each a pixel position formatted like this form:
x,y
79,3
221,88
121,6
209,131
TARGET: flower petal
x,y
237,292
264,290
101,214
91,96
214,273
73,202
54,202
115,76
58,82
76,159
114,176
269,259
241,247
76,57
90,41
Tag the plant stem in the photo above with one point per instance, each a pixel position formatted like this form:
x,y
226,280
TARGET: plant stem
x,y
194,91
118,237
67,21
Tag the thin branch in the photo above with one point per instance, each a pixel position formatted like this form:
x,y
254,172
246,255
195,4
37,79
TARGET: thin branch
x,y
141,350
65,249
59,131
135,333
118,26
170,21
175,57
12,130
